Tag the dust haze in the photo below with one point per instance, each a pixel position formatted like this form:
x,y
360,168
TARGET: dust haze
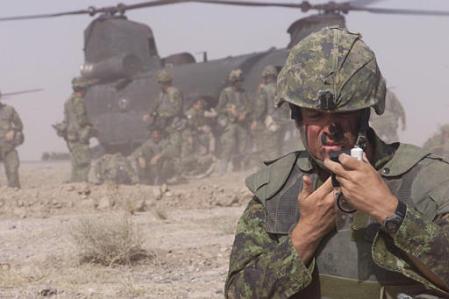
x,y
411,51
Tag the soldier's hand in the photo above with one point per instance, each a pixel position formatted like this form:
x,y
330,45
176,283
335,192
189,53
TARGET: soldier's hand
x,y
155,160
141,162
363,187
317,217
241,116
253,126
9,136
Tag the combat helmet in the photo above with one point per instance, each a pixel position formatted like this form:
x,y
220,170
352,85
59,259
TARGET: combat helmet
x,y
333,70
235,75
163,76
269,70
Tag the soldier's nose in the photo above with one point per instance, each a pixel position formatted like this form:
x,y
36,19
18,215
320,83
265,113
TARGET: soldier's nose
x,y
335,131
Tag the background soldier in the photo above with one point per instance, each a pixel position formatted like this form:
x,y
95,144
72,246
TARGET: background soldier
x,y
168,105
11,136
144,154
234,113
199,123
77,131
115,168
439,143
387,124
158,158
290,243
269,118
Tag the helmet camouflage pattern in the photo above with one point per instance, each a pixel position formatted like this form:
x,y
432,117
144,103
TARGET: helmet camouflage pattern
x,y
235,75
163,76
269,70
332,70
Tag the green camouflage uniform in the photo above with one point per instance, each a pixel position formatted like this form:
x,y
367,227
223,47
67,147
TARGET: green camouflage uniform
x,y
151,174
77,130
198,144
272,121
169,148
202,134
334,71
10,120
168,106
234,140
353,263
115,168
386,125
439,143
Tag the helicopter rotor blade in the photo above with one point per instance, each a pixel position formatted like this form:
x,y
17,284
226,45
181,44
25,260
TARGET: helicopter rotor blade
x,y
121,8
409,12
22,92
45,16
256,3
343,7
305,6
361,3
154,3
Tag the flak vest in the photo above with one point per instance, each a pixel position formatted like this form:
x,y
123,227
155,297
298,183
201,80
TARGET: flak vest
x,y
344,265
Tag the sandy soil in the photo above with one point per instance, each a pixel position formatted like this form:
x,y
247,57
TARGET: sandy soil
x,y
187,231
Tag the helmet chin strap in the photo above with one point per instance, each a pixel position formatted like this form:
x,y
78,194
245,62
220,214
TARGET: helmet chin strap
x,y
362,137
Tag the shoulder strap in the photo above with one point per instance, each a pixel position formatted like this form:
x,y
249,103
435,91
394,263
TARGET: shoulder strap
x,y
268,181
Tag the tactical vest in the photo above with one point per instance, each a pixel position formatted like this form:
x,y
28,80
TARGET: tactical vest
x,y
169,105
344,259
238,98
6,115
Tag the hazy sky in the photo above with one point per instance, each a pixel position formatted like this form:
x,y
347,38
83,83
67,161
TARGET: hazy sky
x,y
412,53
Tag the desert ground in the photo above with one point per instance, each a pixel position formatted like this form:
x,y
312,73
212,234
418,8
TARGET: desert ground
x,y
178,237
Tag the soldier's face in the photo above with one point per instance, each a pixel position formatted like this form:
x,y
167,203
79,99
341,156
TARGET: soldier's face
x,y
327,132
198,105
156,136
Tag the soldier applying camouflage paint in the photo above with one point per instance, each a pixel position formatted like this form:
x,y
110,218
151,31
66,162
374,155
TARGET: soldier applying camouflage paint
x,y
11,136
77,130
287,244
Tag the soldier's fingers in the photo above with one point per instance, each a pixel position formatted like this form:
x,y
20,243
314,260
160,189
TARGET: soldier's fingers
x,y
335,167
307,187
325,188
350,163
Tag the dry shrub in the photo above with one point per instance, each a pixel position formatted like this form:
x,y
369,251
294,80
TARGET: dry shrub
x,y
108,240
129,289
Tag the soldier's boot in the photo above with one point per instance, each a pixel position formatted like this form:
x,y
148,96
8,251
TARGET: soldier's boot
x,y
237,164
80,173
11,162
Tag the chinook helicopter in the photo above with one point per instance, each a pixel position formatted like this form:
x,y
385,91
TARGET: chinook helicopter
x,y
122,59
